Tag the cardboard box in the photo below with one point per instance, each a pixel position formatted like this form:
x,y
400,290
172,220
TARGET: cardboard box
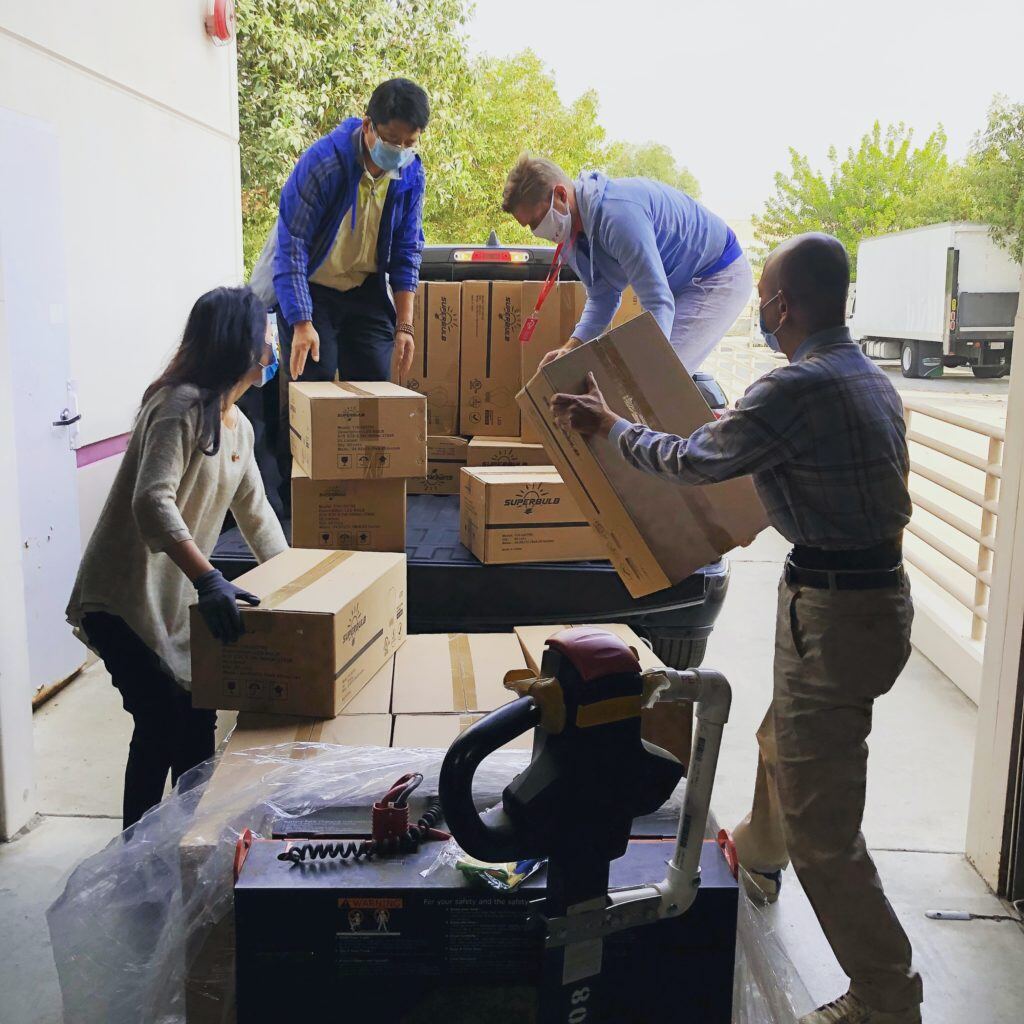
x,y
327,623
629,309
666,725
438,732
210,976
445,458
454,672
533,640
435,366
558,318
490,370
506,451
353,431
523,514
347,515
657,531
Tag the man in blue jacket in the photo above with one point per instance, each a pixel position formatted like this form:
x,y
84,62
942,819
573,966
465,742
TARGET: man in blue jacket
x,y
683,262
350,241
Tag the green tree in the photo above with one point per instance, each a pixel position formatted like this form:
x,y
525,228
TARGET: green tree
x,y
886,184
513,105
304,65
650,160
995,174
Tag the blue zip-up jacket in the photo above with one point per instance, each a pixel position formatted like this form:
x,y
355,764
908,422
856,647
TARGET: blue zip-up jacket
x,y
318,193
645,234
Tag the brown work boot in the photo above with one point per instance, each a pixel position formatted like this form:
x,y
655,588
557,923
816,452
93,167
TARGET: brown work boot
x,y
849,1009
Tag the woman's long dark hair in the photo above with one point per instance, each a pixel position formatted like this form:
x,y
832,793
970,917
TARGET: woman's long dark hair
x,y
224,335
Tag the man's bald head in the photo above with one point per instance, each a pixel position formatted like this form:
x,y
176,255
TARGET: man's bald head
x,y
813,273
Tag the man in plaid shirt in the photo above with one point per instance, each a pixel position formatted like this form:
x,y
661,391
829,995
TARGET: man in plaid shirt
x,y
825,442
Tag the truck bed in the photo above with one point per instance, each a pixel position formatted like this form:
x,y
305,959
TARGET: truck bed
x,y
451,591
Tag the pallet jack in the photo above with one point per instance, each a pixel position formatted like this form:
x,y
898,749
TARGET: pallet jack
x,y
591,774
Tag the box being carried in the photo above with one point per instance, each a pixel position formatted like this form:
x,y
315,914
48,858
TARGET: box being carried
x,y
350,515
491,373
435,365
445,458
327,623
353,431
657,532
523,514
506,451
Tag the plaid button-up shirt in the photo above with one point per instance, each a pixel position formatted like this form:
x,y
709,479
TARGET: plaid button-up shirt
x,y
823,438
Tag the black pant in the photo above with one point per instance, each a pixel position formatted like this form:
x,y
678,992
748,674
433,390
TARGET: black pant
x,y
170,734
357,337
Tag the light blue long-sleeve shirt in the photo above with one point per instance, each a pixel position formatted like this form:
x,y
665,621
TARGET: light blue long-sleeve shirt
x,y
645,234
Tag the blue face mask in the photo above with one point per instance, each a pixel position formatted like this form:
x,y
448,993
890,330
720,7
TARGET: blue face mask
x,y
269,372
389,157
769,336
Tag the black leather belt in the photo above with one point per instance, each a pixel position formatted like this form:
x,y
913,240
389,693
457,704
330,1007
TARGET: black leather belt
x,y
844,579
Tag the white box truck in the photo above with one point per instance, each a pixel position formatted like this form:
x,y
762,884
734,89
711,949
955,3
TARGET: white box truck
x,y
942,295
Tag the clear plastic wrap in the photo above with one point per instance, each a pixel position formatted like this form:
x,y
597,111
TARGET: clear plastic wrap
x,y
146,924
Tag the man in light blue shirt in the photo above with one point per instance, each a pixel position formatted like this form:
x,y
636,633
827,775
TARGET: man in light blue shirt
x,y
683,262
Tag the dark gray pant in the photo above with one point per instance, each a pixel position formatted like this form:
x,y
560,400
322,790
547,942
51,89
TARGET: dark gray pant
x,y
170,735
357,338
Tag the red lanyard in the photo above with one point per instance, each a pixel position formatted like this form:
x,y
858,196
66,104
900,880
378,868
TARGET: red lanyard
x,y
530,323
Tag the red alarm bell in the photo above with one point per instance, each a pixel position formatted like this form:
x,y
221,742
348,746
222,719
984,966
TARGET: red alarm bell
x,y
220,21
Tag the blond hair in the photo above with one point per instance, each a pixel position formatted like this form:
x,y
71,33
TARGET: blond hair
x,y
530,181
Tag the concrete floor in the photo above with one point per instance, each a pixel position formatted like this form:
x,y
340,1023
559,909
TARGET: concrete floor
x,y
915,822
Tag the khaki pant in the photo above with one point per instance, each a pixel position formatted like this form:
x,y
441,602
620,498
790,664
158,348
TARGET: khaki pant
x,y
835,652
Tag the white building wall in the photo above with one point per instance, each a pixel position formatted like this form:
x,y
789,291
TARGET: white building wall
x,y
145,107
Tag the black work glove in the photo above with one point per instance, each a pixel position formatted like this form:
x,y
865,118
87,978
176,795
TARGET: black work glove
x,y
218,607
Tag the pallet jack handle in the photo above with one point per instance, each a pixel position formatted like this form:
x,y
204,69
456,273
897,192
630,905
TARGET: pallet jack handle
x,y
674,895
493,840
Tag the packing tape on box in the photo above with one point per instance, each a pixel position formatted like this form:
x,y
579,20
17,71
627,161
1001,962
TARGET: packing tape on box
x,y
295,586
463,680
697,503
354,389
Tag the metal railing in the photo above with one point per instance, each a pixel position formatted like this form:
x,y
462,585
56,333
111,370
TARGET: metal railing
x,y
737,362
980,537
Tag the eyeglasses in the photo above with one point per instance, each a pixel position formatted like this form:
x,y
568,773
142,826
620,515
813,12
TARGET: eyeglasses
x,y
398,145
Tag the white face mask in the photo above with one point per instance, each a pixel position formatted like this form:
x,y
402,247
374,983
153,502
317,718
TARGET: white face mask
x,y
555,227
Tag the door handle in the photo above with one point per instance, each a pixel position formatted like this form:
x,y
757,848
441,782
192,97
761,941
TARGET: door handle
x,y
66,419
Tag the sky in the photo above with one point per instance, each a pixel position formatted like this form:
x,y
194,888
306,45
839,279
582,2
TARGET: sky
x,y
730,85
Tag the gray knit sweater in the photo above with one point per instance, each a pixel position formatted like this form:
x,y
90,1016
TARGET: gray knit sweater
x,y
166,491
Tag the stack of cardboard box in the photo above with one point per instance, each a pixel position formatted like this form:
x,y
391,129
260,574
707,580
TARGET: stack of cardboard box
x,y
469,365
354,445
422,694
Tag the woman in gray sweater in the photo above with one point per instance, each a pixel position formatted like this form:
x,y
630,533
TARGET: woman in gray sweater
x,y
189,461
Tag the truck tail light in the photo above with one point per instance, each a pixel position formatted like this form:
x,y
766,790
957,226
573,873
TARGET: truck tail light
x,y
490,256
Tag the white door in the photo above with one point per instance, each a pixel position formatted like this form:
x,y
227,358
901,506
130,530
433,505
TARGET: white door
x,y
33,288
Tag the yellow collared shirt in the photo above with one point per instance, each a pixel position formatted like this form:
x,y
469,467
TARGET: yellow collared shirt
x,y
353,257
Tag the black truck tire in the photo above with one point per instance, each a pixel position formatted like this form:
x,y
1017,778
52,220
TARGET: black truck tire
x,y
989,372
678,653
